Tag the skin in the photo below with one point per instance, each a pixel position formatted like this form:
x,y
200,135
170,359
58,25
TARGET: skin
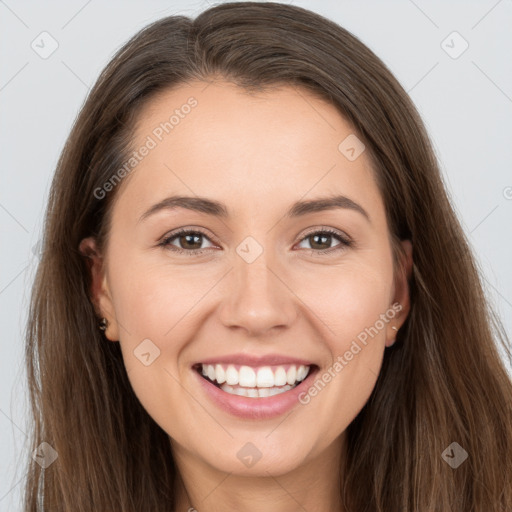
x,y
257,154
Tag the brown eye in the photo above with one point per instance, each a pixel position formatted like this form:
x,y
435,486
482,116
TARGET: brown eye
x,y
192,241
188,241
320,242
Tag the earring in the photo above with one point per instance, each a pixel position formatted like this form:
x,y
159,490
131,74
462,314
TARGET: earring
x,y
393,327
103,324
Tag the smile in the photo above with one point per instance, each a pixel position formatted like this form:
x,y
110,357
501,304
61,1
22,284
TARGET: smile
x,y
253,382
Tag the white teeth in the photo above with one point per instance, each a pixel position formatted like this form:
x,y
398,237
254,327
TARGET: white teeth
x,y
302,372
265,377
280,377
291,375
231,375
254,392
248,377
220,374
263,392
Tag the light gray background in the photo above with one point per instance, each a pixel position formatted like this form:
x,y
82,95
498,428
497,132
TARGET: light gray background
x,y
465,102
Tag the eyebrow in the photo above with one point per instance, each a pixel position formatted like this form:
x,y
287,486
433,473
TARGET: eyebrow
x,y
217,209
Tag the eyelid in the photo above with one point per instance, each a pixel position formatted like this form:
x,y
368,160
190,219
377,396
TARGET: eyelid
x,y
345,240
187,230
326,229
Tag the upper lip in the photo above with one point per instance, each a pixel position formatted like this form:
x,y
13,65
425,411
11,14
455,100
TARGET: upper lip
x,y
255,361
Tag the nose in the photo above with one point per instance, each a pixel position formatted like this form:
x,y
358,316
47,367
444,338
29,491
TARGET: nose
x,y
258,298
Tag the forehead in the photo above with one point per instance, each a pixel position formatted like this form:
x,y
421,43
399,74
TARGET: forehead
x,y
248,150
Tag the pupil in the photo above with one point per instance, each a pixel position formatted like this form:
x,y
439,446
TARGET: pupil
x,y
325,239
186,237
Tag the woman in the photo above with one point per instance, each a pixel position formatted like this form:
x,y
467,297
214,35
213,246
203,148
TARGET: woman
x,y
254,292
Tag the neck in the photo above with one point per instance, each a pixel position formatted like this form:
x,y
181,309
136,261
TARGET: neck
x,y
314,486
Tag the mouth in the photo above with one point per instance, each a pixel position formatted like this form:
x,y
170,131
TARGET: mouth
x,y
254,382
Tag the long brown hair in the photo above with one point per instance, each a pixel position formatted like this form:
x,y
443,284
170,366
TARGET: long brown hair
x,y
443,381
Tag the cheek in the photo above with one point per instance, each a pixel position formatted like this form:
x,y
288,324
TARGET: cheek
x,y
355,312
348,298
152,313
148,299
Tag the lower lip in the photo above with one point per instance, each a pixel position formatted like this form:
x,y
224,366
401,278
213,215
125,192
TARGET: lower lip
x,y
255,408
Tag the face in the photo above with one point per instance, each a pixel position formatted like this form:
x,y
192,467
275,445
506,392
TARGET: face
x,y
244,278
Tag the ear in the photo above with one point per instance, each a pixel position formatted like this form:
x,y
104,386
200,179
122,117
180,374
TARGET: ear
x,y
100,292
401,295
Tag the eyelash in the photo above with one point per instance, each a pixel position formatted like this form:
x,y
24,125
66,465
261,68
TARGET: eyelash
x,y
344,242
